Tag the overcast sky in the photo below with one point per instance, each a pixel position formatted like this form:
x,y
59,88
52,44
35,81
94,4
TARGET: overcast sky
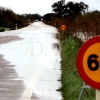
x,y
41,6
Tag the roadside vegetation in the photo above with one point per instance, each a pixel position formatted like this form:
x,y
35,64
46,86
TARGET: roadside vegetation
x,y
70,79
75,16
79,21
9,19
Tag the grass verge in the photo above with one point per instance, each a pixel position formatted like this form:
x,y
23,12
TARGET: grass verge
x,y
6,28
71,81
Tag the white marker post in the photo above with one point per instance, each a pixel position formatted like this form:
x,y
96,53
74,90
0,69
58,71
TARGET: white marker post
x,y
97,94
16,26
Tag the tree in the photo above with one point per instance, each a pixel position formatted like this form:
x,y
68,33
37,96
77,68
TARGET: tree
x,y
71,9
37,17
59,7
47,17
7,17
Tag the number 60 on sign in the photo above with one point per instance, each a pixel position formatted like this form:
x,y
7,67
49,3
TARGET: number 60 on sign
x,y
88,62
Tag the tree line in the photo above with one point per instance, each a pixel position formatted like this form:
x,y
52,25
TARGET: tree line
x,y
75,16
66,10
9,18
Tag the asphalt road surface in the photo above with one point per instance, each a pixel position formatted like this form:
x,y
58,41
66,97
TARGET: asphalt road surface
x,y
30,63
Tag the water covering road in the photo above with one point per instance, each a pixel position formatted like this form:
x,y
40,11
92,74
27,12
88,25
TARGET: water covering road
x,y
30,64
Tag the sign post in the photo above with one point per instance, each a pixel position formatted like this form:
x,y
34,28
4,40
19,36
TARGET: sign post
x,y
97,94
88,63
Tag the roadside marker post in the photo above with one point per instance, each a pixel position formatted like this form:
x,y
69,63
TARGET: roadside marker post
x,y
88,63
16,26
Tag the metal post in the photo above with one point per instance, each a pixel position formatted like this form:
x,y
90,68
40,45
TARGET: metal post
x,y
81,92
83,87
64,35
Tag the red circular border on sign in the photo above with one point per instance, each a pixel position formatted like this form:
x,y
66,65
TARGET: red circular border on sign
x,y
64,26
79,62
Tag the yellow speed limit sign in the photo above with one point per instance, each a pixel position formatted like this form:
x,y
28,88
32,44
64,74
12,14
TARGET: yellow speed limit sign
x,y
63,27
88,62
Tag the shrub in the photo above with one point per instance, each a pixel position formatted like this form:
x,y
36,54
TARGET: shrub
x,y
1,30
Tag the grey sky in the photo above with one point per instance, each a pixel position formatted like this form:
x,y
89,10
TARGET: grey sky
x,y
41,6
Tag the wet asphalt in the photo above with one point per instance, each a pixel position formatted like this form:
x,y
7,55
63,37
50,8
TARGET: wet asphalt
x,y
12,85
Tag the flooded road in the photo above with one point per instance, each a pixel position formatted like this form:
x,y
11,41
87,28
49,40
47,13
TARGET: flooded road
x,y
30,64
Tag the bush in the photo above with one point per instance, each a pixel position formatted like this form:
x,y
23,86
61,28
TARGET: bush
x,y
2,30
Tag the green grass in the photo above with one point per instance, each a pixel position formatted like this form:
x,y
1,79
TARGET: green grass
x,y
6,28
71,81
